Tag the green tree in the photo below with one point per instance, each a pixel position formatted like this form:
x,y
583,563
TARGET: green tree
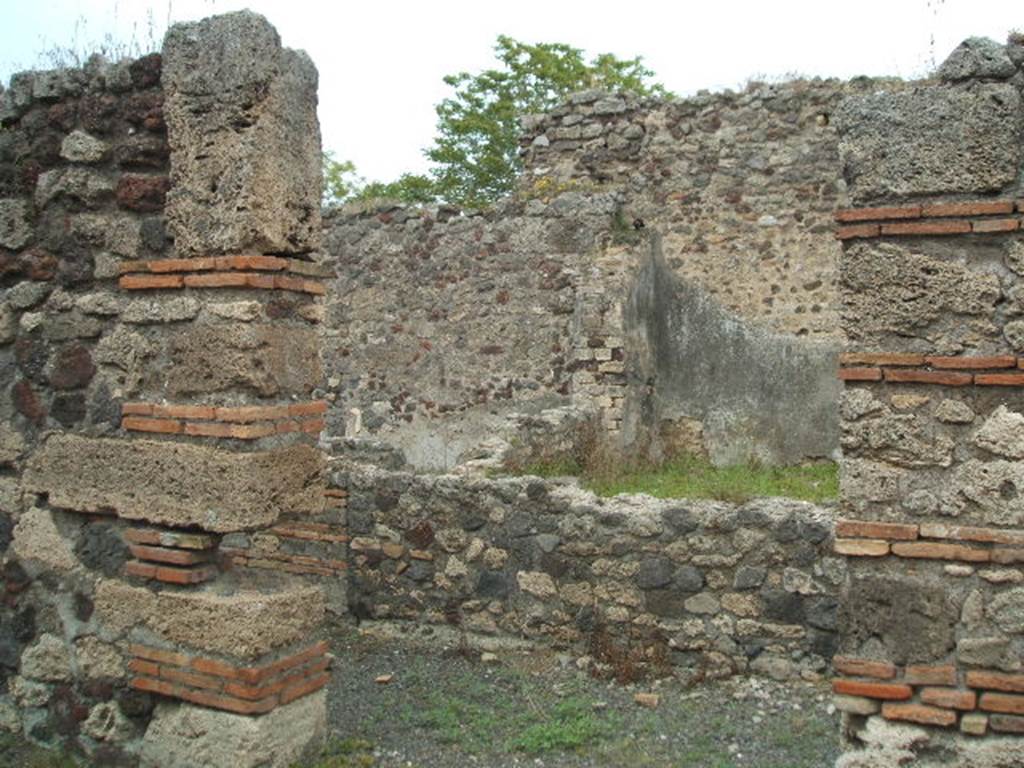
x,y
340,179
476,151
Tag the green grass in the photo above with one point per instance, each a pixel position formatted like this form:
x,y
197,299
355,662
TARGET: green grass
x,y
695,478
343,753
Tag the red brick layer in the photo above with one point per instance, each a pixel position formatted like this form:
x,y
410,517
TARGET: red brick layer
x,y
950,371
939,218
217,684
239,423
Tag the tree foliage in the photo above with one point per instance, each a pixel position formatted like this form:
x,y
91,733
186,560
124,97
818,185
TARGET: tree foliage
x,y
476,151
475,154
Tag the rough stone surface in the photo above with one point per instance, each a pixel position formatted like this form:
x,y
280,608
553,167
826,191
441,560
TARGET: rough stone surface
x,y
977,57
106,722
930,140
98,660
186,736
175,484
231,89
37,538
80,147
47,660
15,231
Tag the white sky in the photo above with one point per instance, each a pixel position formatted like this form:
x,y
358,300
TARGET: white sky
x,y
381,63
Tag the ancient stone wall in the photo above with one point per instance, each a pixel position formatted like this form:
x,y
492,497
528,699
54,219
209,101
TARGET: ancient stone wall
x,y
157,221
514,310
930,634
701,589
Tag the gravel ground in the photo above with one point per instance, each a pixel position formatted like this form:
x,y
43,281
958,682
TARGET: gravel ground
x,y
397,702
442,707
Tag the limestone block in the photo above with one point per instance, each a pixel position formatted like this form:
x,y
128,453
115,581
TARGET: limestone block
x,y
891,292
186,736
106,722
930,140
36,538
245,142
271,360
245,625
177,484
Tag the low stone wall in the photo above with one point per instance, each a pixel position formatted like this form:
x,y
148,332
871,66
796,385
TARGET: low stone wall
x,y
709,588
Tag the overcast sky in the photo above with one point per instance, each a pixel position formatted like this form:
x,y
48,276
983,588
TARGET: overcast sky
x,y
381,63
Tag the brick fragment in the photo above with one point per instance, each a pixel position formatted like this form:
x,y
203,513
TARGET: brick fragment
x,y
256,262
263,282
299,284
880,358
167,538
971,533
1002,702
299,690
136,409
973,208
851,231
860,374
191,679
312,426
216,668
183,411
159,426
910,376
142,667
996,681
935,551
259,674
848,665
857,529
159,655
927,227
217,280
185,576
235,431
974,724
276,685
1007,723
874,214
999,379
861,547
885,691
150,282
139,569
972,363
919,713
309,269
313,408
995,225
949,698
179,265
227,703
245,414
167,555
918,674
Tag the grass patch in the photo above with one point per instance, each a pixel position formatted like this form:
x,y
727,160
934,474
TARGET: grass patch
x,y
343,753
570,726
689,477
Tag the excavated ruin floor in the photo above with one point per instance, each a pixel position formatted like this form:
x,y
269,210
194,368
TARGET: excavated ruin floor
x,y
406,703
446,707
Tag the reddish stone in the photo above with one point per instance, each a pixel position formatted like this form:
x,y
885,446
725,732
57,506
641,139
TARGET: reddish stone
x,y
146,71
27,402
38,264
421,535
72,368
142,193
